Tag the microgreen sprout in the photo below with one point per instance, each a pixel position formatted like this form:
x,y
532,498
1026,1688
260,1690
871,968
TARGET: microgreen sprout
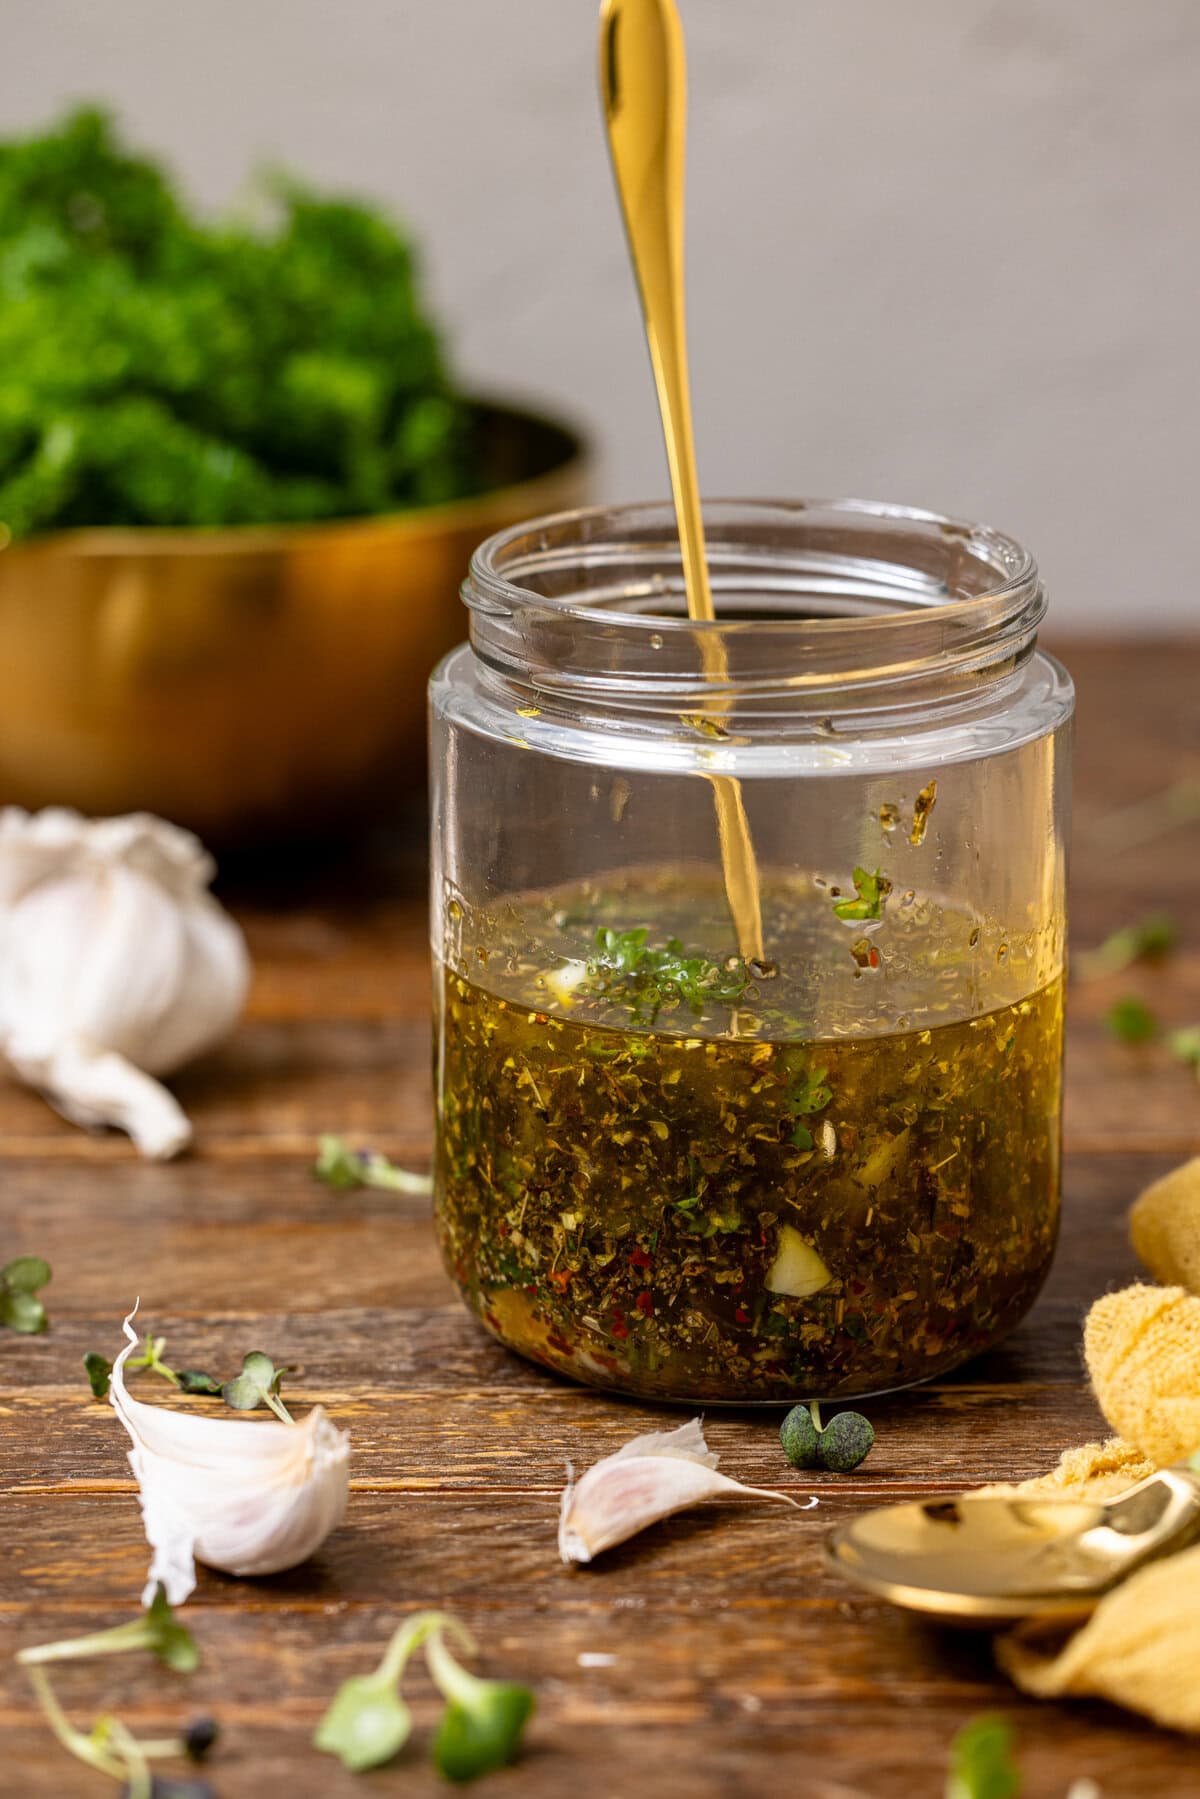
x,y
1148,940
840,1445
1131,1021
257,1384
1185,1046
483,1721
20,1308
109,1747
368,1722
188,1380
157,1629
342,1168
627,971
871,891
982,1762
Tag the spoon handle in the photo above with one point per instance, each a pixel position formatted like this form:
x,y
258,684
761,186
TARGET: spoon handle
x,y
643,78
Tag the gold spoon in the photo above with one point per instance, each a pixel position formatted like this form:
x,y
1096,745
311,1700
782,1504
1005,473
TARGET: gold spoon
x,y
643,81
982,1560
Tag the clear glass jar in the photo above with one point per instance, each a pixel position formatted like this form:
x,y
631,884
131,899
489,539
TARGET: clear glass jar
x,y
668,1164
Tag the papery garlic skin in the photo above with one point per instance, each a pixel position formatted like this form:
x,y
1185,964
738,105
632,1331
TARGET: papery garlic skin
x,y
649,1478
116,964
246,1498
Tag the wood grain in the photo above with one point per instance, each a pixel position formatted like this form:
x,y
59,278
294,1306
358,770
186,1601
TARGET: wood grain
x,y
714,1655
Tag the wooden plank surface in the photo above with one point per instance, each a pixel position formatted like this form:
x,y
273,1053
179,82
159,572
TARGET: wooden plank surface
x,y
714,1655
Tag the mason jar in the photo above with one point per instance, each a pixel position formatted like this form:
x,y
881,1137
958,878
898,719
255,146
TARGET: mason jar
x,y
748,941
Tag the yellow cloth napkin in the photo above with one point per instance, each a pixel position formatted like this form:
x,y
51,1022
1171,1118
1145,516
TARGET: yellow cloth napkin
x,y
1141,1646
1142,1347
1165,1227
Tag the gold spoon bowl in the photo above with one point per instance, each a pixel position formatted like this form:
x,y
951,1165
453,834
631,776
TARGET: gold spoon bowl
x,y
984,1560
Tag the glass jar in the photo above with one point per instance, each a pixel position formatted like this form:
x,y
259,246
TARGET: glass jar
x,y
674,1159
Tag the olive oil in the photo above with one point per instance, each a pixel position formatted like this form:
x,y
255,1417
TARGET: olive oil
x,y
690,1178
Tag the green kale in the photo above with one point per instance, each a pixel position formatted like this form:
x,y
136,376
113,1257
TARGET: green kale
x,y
161,370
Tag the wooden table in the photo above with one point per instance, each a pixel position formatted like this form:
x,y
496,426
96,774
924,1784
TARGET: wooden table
x,y
714,1655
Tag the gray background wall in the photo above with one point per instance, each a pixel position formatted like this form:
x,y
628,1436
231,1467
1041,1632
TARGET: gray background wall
x,y
944,251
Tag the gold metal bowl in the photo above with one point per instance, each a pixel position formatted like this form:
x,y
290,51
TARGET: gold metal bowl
x,y
258,682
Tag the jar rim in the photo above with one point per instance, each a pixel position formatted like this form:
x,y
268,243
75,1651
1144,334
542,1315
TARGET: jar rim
x,y
488,583
818,603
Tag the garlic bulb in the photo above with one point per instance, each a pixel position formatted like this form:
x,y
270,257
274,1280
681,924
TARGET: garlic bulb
x,y
649,1478
245,1498
116,964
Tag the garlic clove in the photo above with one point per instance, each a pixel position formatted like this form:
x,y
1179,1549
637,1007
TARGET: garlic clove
x,y
649,1478
247,1498
116,964
97,1088
797,1269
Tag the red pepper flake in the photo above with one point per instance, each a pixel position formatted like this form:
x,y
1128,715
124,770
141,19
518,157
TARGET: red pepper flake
x,y
874,958
620,1328
561,1280
644,1303
502,1230
742,1315
641,1258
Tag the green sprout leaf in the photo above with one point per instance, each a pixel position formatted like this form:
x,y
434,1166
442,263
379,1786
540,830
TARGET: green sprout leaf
x,y
1149,940
368,1722
193,1380
257,1384
20,1309
483,1722
1185,1046
99,1372
800,1436
1131,1021
344,1168
982,1762
151,1358
171,1641
839,1445
846,1441
872,890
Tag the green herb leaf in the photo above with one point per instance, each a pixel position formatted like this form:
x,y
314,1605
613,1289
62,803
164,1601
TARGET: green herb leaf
x,y
22,1312
982,1762
1185,1045
344,1168
193,1380
257,1384
1131,1021
800,1436
626,971
171,1641
19,1281
99,1372
846,1441
1149,940
366,1725
872,890
26,1274
809,1093
482,1725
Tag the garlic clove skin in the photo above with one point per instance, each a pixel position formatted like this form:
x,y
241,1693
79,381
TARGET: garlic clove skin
x,y
116,964
247,1498
649,1478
